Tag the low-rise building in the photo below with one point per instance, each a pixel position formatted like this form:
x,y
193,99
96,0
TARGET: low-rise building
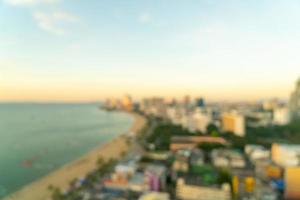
x,y
227,158
190,142
197,157
156,177
187,191
155,196
221,162
257,152
266,193
126,168
181,162
136,182
260,169
236,160
286,155
162,156
259,118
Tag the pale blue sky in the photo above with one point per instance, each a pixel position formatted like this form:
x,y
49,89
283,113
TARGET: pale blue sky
x,y
90,49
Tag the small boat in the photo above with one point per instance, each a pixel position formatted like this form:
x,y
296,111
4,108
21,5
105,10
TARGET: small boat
x,y
27,163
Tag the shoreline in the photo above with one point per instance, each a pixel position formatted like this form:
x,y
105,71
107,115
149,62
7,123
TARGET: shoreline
x,y
61,177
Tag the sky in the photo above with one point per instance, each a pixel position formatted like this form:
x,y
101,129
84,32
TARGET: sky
x,y
86,50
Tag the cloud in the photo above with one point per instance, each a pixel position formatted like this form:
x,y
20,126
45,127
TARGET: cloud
x,y
145,18
54,22
29,2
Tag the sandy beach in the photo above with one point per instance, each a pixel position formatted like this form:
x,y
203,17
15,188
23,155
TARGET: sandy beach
x,y
61,178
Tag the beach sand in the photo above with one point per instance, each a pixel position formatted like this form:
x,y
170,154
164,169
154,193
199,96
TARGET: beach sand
x,y
61,178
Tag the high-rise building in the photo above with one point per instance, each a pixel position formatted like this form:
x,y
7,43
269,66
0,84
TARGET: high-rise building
x,y
234,122
155,106
201,120
110,103
127,103
292,181
200,102
187,104
281,116
270,104
295,101
187,100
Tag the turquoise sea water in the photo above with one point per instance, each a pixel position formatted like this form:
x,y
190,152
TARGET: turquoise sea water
x,y
36,139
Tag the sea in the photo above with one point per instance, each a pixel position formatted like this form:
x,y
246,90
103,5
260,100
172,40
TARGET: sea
x,y
36,139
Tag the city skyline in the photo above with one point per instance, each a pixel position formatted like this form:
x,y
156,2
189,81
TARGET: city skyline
x,y
54,50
